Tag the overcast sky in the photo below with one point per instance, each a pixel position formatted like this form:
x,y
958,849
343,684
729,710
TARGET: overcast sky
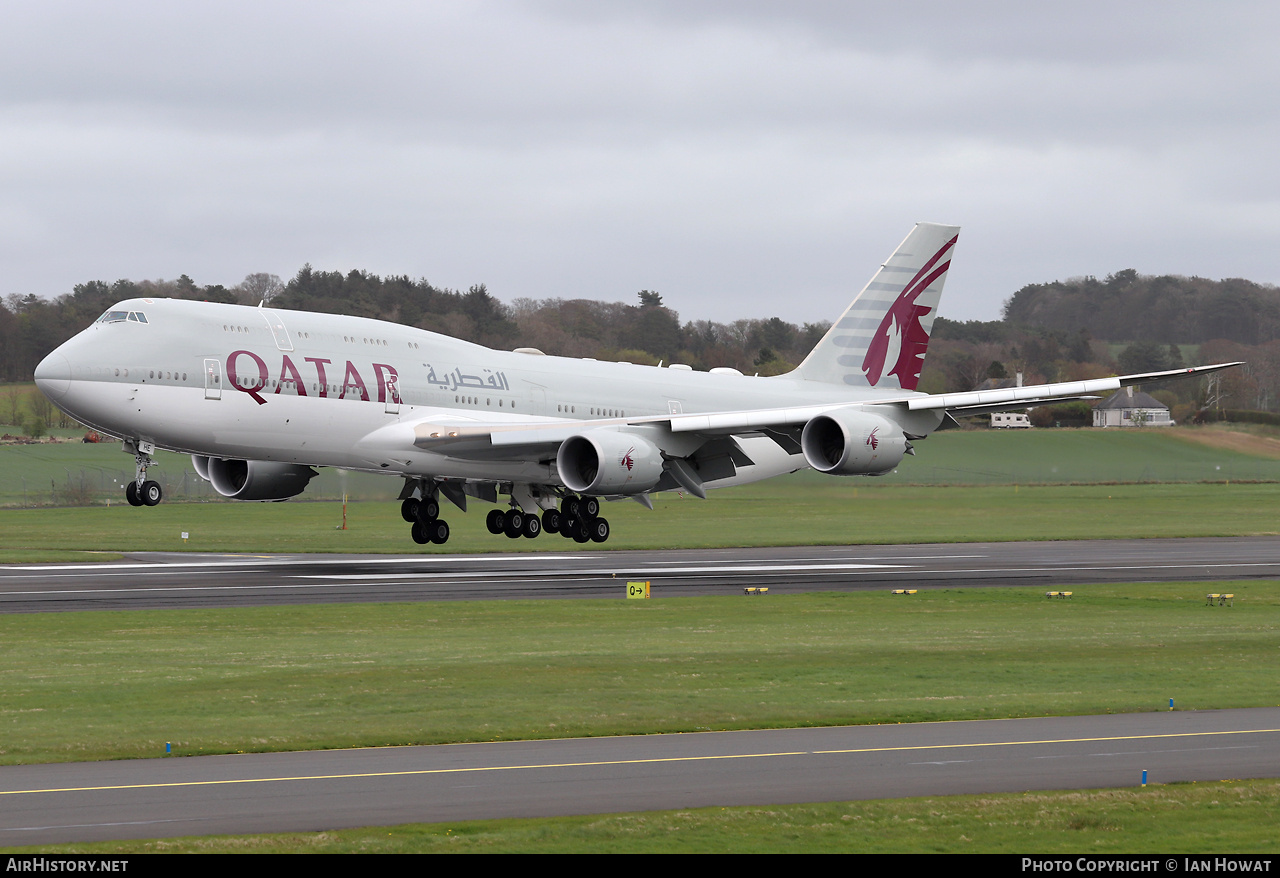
x,y
745,159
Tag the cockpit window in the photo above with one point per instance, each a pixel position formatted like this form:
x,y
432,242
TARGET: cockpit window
x,y
122,316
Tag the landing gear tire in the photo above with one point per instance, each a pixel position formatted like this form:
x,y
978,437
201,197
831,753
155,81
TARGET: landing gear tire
x,y
131,494
532,526
436,531
590,507
495,521
151,493
599,529
428,510
514,523
409,510
566,527
551,520
419,533
581,531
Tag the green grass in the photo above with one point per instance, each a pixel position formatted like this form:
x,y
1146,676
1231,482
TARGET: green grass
x,y
1085,456
102,685
801,509
1236,816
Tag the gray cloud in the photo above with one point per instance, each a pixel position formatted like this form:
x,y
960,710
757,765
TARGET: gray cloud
x,y
747,159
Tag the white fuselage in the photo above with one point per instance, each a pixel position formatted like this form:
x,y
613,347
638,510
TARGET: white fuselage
x,y
328,390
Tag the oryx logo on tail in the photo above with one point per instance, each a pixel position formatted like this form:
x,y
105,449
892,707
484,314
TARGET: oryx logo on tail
x,y
901,337
881,339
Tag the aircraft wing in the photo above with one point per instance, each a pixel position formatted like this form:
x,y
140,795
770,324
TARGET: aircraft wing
x,y
481,439
971,402
1039,394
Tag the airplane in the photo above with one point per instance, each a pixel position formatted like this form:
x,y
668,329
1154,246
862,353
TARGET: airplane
x,y
259,397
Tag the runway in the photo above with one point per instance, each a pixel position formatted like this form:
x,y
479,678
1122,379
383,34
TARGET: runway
x,y
172,580
295,792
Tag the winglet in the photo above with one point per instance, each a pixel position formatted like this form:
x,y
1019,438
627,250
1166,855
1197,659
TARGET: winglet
x,y
880,341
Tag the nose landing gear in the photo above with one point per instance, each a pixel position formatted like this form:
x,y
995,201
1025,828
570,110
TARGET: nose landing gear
x,y
142,491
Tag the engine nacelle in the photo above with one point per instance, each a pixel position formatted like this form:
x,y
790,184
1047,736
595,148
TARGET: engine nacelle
x,y
253,479
852,443
607,462
201,463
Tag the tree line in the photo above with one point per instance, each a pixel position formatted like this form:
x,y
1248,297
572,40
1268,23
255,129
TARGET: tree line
x,y
1063,330
645,332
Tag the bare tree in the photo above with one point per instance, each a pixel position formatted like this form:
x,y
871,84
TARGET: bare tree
x,y
258,287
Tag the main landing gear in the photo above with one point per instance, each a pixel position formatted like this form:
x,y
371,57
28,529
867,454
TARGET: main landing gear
x,y
515,523
428,526
143,491
578,518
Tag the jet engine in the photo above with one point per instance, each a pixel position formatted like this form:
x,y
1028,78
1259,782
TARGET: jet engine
x,y
607,462
253,479
853,443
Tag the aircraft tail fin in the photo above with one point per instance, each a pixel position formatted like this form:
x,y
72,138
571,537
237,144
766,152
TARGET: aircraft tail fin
x,y
880,341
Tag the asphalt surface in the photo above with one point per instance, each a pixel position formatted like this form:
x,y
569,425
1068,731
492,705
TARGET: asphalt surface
x,y
158,580
294,792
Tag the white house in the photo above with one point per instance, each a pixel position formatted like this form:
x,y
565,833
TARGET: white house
x,y
1126,408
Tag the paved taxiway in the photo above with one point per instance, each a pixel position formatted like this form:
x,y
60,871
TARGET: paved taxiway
x,y
149,580
279,792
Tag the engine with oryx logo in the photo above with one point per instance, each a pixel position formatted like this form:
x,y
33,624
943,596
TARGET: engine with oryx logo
x,y
609,462
848,442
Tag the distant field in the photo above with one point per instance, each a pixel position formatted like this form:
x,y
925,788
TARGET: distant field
x,y
62,474
58,474
1083,456
977,485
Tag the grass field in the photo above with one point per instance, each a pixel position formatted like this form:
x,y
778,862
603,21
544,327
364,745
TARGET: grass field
x,y
103,685
801,509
